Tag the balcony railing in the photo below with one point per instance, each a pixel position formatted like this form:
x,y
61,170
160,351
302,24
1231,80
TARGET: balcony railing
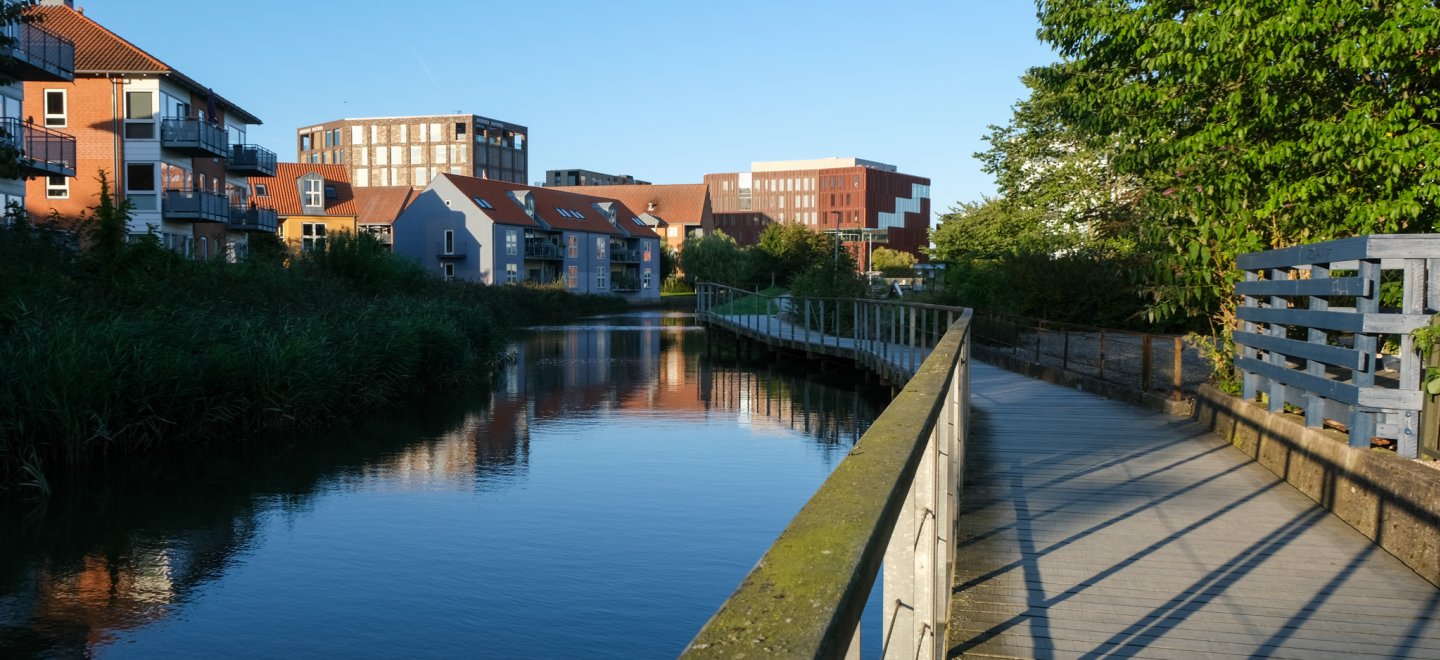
x,y
254,218
454,251
194,137
626,284
629,256
542,249
251,160
197,205
39,54
42,150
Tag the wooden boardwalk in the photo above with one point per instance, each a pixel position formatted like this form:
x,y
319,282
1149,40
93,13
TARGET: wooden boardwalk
x,y
1092,528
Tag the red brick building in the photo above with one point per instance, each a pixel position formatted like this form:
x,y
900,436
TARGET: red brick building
x,y
824,194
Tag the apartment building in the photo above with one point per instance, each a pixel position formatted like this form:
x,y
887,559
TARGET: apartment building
x,y
33,54
410,151
379,207
168,143
865,200
495,232
674,211
311,202
555,178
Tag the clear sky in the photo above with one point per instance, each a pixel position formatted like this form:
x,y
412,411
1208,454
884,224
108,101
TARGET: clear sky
x,y
664,90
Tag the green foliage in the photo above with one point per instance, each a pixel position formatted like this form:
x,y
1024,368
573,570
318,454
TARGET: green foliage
x,y
893,263
1085,288
713,257
834,276
787,249
669,262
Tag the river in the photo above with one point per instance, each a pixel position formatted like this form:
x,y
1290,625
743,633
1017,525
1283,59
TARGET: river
x,y
600,500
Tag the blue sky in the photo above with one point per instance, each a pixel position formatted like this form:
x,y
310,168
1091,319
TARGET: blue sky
x,y
663,90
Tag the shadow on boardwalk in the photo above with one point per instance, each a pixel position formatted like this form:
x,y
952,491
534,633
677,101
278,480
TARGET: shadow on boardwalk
x,y
1094,529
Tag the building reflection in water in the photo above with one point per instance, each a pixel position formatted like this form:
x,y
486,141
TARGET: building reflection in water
x,y
84,574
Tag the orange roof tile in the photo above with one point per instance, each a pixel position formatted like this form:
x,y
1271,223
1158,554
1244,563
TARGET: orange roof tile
x,y
382,204
283,190
684,204
548,203
100,51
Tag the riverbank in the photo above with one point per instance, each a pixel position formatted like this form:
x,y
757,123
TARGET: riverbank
x,y
138,349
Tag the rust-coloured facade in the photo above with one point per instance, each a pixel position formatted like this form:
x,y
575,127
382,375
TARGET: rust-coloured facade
x,y
825,195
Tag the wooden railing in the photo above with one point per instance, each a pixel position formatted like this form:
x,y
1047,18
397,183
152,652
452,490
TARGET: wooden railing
x,y
890,506
1314,324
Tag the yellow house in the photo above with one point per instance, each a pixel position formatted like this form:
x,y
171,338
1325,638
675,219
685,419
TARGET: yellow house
x,y
311,201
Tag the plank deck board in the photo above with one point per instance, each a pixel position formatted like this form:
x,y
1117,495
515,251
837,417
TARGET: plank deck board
x,y
1091,528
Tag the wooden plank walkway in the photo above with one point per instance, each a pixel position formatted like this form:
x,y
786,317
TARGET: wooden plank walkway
x,y
1092,528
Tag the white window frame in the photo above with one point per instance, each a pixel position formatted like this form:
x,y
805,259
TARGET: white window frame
x,y
449,241
645,278
600,244
600,280
448,269
152,193
512,242
312,234
61,119
314,189
53,191
512,274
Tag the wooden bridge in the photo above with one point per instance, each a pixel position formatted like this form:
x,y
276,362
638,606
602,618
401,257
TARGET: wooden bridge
x,y
1087,527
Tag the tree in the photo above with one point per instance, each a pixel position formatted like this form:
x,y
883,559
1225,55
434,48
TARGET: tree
x,y
786,249
1251,125
713,257
893,263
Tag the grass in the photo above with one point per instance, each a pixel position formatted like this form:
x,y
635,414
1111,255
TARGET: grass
x,y
752,304
141,349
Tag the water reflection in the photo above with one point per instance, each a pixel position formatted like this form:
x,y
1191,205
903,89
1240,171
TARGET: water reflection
x,y
123,547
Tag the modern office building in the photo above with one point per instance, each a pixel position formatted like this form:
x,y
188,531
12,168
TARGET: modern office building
x,y
35,55
169,144
495,232
410,151
674,211
556,178
859,197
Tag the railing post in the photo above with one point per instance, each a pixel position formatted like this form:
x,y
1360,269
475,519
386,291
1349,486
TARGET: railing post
x,y
1065,354
1145,363
1102,353
1178,377
807,322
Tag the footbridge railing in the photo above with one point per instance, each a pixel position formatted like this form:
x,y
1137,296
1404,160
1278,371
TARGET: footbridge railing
x,y
890,508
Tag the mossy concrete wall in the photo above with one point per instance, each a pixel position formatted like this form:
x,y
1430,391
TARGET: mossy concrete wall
x,y
1393,501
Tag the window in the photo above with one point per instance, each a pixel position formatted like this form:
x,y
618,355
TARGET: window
x,y
435,135
380,156
645,278
328,142
262,190
459,129
312,236
510,274
574,248
482,202
57,186
600,279
600,244
364,157
55,107
573,277
139,115
357,134
330,192
563,213
449,241
649,250
305,143
312,192
362,177
440,154
512,242
449,270
140,186
417,153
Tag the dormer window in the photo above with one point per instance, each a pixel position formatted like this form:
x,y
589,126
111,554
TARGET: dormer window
x,y
261,190
330,193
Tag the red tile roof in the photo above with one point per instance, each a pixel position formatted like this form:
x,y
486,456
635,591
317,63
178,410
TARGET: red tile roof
x,y
100,51
683,204
382,204
283,190
548,202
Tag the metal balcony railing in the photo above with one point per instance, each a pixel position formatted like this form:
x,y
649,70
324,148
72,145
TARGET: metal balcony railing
x,y
542,249
39,54
42,150
254,218
251,160
197,205
629,256
194,137
626,284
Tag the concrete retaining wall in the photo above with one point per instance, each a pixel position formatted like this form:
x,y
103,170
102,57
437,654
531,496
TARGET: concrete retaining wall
x,y
1394,501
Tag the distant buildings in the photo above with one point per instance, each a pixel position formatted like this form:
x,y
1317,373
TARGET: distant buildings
x,y
825,194
554,178
312,202
496,232
378,208
410,151
171,146
673,211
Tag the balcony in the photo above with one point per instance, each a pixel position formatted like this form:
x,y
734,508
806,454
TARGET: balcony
x,y
38,54
452,252
543,249
194,137
195,205
254,218
251,160
43,152
625,284
627,256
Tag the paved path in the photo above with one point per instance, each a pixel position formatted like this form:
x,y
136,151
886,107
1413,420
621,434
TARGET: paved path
x,y
1093,529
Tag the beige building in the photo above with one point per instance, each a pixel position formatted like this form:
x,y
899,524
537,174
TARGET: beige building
x,y
410,151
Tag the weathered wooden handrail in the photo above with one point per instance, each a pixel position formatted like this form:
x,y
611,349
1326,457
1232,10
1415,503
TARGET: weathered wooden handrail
x,y
892,504
1297,292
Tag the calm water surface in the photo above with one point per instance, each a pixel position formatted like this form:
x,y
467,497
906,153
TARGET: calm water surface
x,y
601,500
